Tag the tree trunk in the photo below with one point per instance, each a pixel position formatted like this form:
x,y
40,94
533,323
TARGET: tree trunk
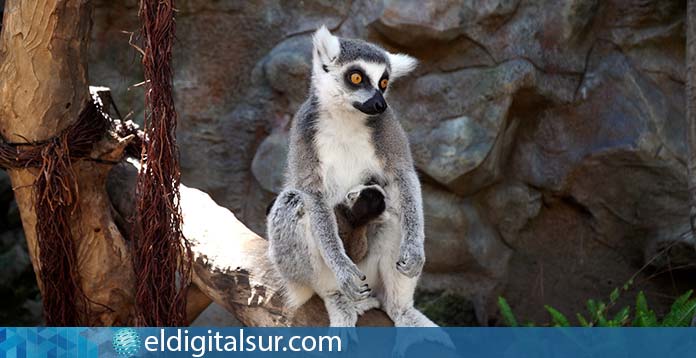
x,y
43,88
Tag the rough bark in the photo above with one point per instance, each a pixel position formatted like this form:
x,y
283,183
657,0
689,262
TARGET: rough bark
x,y
43,87
196,303
230,262
691,106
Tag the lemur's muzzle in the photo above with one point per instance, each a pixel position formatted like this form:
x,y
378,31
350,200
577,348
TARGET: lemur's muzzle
x,y
372,106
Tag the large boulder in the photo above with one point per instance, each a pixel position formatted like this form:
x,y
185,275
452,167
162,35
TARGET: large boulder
x,y
415,22
459,238
458,132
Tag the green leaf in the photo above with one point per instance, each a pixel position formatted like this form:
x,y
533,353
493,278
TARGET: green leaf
x,y
621,317
582,320
506,312
614,295
592,309
681,314
559,320
601,319
645,317
682,311
596,310
641,304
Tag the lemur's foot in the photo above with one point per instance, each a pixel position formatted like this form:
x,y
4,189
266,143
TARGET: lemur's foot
x,y
412,317
367,304
407,338
342,316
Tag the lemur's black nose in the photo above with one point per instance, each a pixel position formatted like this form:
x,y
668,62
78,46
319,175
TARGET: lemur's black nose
x,y
373,106
380,106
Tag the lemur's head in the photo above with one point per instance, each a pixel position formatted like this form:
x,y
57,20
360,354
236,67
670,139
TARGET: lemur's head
x,y
354,75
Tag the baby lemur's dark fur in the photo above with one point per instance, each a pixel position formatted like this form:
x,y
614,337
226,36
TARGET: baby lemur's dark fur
x,y
353,221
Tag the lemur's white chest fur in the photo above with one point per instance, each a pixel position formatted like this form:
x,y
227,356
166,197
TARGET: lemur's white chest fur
x,y
346,153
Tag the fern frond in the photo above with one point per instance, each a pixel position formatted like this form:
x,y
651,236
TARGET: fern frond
x,y
559,320
621,318
506,312
645,317
583,322
682,311
614,295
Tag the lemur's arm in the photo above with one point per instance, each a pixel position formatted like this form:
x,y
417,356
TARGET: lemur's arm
x,y
324,229
412,256
303,175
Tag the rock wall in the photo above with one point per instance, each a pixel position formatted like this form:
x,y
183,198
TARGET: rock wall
x,y
549,134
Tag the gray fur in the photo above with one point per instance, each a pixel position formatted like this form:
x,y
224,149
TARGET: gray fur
x,y
354,49
305,246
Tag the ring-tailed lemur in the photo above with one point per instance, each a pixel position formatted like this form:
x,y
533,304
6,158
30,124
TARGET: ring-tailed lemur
x,y
343,139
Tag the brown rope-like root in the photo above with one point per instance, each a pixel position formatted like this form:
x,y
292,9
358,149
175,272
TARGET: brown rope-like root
x,y
162,256
55,193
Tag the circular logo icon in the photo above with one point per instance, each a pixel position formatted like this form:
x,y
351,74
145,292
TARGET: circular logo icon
x,y
126,342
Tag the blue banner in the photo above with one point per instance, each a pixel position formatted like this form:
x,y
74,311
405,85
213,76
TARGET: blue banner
x,y
345,342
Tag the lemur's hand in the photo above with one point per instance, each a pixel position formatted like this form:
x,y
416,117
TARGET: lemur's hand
x,y
412,258
347,276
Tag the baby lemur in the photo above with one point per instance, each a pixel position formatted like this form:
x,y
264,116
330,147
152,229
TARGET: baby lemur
x,y
345,142
361,207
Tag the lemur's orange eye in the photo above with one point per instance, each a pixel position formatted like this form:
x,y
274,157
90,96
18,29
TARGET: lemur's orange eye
x,y
383,83
356,78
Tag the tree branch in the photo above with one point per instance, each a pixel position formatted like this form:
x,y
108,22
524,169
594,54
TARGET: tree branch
x,y
230,262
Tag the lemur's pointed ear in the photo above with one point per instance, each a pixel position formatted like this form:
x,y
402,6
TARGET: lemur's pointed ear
x,y
401,64
326,46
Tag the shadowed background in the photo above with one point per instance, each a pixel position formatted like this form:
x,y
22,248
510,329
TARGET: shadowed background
x,y
549,136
